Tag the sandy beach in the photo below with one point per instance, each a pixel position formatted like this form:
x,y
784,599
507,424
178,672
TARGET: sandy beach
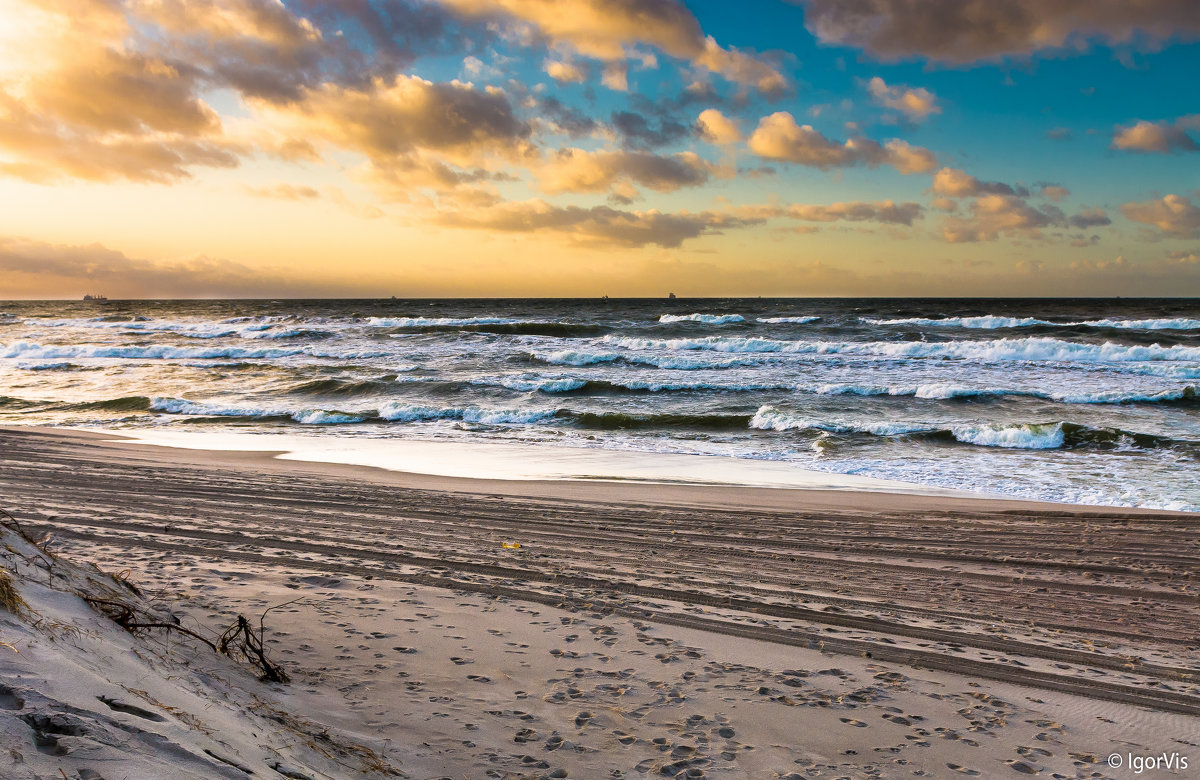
x,y
641,630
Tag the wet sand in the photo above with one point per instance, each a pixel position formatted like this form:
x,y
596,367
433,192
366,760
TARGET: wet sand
x,y
664,630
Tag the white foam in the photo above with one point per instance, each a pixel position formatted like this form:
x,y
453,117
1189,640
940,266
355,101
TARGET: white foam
x,y
530,384
992,321
425,322
571,357
768,418
792,320
1047,436
405,412
708,319
1039,349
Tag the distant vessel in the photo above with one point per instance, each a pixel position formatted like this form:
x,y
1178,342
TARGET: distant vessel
x,y
671,296
95,298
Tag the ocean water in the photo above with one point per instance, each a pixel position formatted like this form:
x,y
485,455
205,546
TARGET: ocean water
x,y
1081,401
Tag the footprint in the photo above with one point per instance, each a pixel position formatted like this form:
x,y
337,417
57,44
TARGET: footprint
x,y
964,770
856,723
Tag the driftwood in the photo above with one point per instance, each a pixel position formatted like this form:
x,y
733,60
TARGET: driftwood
x,y
240,641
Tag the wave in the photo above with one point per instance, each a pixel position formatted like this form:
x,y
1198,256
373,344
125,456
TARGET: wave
x,y
405,412
51,366
946,391
425,322
577,386
707,319
27,349
614,421
993,321
1023,436
571,357
768,418
236,328
204,409
1034,349
782,320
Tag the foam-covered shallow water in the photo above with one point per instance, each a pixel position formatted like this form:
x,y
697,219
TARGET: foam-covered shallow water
x,y
1084,401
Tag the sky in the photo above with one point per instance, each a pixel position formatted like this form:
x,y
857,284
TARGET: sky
x,y
579,148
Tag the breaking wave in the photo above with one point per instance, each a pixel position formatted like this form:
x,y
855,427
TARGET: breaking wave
x,y
992,321
1041,349
1022,436
707,319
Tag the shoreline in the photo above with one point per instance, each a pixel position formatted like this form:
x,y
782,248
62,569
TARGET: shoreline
x,y
131,447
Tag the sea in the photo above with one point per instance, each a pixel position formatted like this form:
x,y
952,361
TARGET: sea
x,y
1068,400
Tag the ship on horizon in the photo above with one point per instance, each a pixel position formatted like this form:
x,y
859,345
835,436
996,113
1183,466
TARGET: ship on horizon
x,y
95,298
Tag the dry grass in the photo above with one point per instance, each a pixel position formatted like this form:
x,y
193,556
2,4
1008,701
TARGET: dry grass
x,y
10,599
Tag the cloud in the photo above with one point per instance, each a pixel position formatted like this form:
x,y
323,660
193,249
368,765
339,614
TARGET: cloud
x,y
637,131
718,128
1160,137
888,212
1174,215
957,183
77,105
1089,218
31,267
916,104
967,31
565,72
994,215
1054,192
564,119
576,170
778,137
597,225
610,31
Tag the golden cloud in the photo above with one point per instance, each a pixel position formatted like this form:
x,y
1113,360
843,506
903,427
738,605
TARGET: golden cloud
x,y
718,128
576,170
778,137
1160,137
966,31
916,104
597,225
609,30
1174,215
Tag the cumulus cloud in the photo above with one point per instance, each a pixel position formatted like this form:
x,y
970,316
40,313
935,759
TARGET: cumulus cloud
x,y
1174,215
576,170
1089,218
996,210
1054,192
994,215
639,131
957,183
610,31
1161,137
718,128
778,137
565,72
887,211
597,225
916,104
966,31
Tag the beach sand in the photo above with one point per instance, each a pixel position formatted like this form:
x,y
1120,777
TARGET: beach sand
x,y
652,630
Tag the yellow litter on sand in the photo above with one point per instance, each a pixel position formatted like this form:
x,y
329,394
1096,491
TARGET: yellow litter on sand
x,y
512,545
